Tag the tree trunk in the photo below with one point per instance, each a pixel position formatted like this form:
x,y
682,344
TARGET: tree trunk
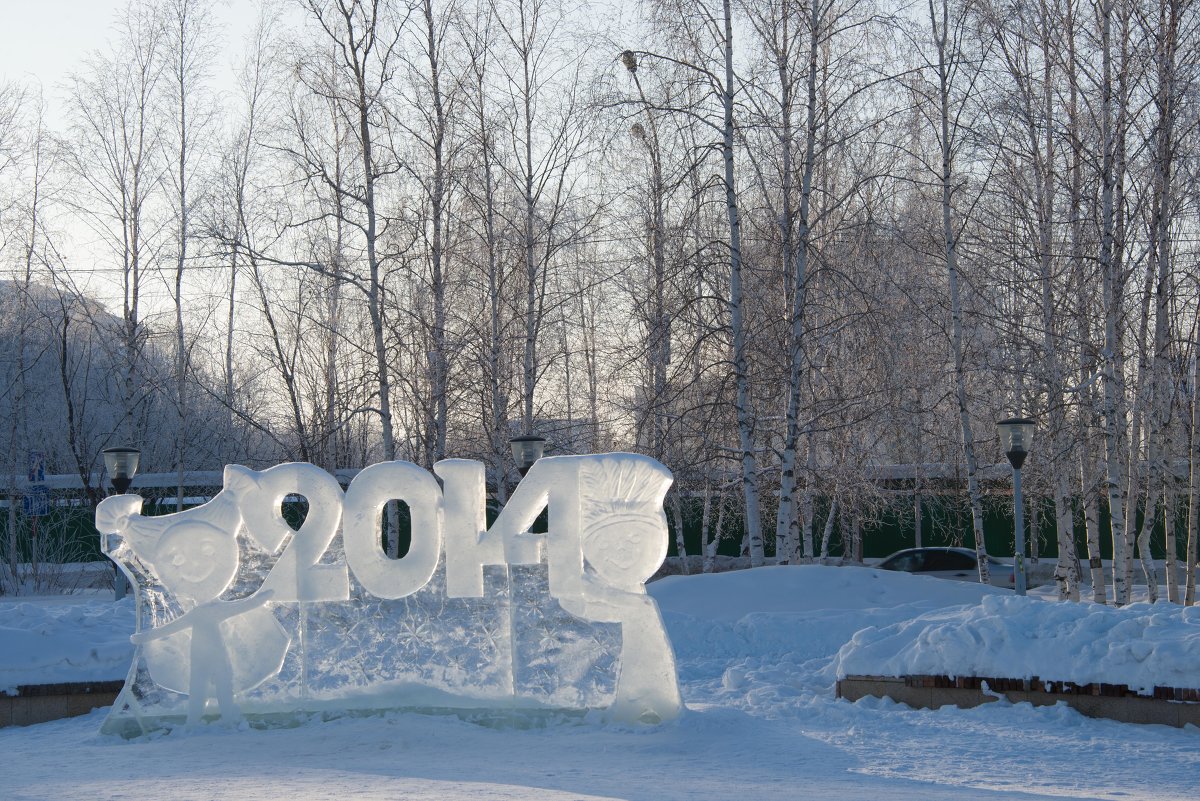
x,y
806,499
439,369
1149,518
827,533
741,355
677,519
705,534
950,242
1170,545
1193,542
796,268
1088,481
1113,478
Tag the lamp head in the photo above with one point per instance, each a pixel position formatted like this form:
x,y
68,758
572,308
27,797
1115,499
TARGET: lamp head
x,y
121,464
526,450
1016,437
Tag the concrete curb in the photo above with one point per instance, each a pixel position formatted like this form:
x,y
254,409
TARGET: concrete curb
x,y
1169,706
38,703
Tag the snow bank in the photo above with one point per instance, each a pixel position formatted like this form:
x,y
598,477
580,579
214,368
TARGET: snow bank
x,y
50,641
804,588
838,620
806,612
1140,645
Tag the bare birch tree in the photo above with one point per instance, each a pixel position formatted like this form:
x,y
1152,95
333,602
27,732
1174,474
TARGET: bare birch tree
x,y
950,66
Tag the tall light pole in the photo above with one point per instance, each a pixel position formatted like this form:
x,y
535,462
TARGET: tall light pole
x,y
1016,435
122,465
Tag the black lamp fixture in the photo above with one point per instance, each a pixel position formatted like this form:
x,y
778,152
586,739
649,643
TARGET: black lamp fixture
x,y
122,465
1016,435
526,450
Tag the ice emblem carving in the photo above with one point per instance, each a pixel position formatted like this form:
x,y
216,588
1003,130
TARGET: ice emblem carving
x,y
239,614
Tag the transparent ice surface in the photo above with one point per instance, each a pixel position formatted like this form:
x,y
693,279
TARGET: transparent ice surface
x,y
239,614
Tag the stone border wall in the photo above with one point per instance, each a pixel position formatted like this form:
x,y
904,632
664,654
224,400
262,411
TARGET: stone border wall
x,y
1170,706
38,703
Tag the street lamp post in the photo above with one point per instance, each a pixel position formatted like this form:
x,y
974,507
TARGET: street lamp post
x,y
1016,435
526,450
121,464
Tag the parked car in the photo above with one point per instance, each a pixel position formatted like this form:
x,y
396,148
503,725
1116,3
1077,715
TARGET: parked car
x,y
958,564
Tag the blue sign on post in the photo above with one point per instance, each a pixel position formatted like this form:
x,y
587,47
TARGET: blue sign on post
x,y
36,501
37,467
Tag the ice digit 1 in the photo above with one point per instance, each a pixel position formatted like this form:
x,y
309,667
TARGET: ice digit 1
x,y
468,548
365,500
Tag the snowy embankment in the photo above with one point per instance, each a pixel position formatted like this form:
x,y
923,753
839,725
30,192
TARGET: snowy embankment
x,y
1140,645
757,656
840,621
807,612
63,639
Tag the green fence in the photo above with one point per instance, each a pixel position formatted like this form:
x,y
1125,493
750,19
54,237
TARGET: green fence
x,y
66,533
945,520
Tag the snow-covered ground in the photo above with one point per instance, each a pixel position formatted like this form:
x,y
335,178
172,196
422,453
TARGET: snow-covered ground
x,y
757,657
1140,645
64,638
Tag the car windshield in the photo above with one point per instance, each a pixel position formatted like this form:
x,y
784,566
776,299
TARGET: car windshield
x,y
949,560
909,562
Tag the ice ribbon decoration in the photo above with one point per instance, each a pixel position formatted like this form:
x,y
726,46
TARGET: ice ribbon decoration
x,y
240,615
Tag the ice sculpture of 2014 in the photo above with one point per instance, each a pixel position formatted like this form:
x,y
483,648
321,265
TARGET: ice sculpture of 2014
x,y
234,603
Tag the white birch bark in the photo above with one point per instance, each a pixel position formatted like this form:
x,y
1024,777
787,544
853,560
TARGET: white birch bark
x,y
940,24
1149,518
806,502
705,533
827,532
795,249
439,368
1037,111
1088,475
1193,541
188,51
741,361
1171,545
363,38
1112,388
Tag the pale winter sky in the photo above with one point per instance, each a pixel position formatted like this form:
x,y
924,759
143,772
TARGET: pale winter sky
x,y
47,40
43,42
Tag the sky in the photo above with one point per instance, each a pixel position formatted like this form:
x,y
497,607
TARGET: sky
x,y
45,41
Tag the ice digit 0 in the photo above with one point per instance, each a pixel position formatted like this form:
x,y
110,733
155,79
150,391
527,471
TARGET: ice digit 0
x,y
366,498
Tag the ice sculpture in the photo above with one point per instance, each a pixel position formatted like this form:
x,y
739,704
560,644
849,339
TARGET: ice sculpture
x,y
232,602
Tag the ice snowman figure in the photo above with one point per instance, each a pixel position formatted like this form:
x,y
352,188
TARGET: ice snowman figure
x,y
214,648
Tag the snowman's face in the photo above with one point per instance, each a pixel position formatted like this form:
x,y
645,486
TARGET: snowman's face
x,y
196,560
